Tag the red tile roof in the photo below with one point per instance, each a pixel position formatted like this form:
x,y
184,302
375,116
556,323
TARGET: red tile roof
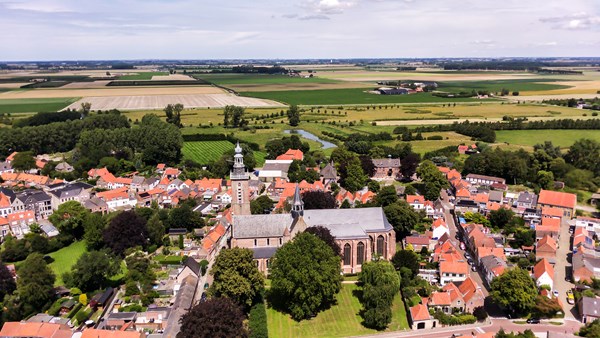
x,y
419,312
454,267
42,330
94,333
546,244
543,266
4,201
559,199
291,154
415,199
552,212
439,299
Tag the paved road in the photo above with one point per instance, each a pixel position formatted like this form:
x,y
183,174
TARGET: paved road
x,y
493,325
563,256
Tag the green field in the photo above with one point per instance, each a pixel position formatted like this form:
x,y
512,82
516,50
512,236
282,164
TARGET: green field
x,y
347,96
265,79
497,85
562,138
142,76
65,258
341,320
35,105
204,152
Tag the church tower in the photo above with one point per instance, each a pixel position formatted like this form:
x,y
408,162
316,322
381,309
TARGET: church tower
x,y
240,204
298,224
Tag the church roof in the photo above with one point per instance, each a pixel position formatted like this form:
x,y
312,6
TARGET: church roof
x,y
258,226
367,219
263,252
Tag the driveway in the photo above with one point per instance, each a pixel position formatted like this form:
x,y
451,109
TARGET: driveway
x,y
564,267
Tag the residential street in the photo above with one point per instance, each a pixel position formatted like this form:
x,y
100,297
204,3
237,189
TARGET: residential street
x,y
563,256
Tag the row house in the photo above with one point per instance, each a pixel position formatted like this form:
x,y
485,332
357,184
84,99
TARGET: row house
x,y
79,192
526,200
439,228
484,180
546,248
117,199
464,296
564,201
492,267
418,242
548,227
543,273
354,199
34,200
29,180
586,264
589,223
19,222
5,205
95,204
582,237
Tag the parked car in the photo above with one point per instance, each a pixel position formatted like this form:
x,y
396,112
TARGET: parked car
x,y
570,297
533,321
462,246
555,293
473,268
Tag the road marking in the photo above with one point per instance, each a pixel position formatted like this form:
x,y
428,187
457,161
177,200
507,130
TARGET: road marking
x,y
480,330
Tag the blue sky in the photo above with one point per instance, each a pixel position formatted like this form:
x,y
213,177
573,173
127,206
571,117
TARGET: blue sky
x,y
186,29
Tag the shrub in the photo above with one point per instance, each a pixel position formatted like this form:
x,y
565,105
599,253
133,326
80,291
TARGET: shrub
x,y
75,309
55,307
451,320
83,315
257,322
480,313
435,137
203,266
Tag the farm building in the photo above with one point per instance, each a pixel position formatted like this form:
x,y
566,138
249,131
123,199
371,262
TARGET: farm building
x,y
392,91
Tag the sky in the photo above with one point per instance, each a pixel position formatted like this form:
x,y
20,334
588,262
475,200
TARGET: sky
x,y
296,29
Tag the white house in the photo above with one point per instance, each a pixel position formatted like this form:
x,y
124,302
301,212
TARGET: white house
x,y
439,228
416,202
590,224
543,273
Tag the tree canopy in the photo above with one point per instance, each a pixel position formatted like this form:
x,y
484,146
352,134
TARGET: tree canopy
x,y
7,282
126,230
406,259
293,115
23,161
35,284
92,271
261,205
514,290
236,276
402,217
216,317
305,276
434,180
318,200
69,218
325,235
380,284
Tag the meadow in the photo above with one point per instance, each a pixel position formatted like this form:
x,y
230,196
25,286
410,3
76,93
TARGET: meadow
x,y
35,105
340,320
562,138
142,76
204,152
65,258
347,96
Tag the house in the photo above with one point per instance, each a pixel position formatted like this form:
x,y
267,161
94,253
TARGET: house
x,y
565,201
153,319
78,191
589,223
386,169
190,267
582,237
120,320
64,167
117,199
273,169
416,202
420,318
418,242
546,248
593,201
100,300
453,271
492,267
5,205
95,333
589,309
328,174
291,154
19,222
484,180
95,204
526,200
439,228
472,295
35,330
549,212
549,226
586,264
37,201
543,273
440,301
67,306
496,196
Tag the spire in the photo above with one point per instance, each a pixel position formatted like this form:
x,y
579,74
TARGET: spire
x,y
239,169
297,204
238,149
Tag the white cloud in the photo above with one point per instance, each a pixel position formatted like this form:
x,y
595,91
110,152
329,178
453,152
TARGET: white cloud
x,y
38,6
314,17
327,6
574,21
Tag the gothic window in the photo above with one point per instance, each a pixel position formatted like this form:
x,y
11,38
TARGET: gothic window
x,y
380,245
347,254
360,255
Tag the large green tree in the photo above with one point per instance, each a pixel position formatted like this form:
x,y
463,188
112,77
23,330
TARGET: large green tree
x,y
35,284
402,217
92,271
325,235
318,200
515,290
305,276
185,217
293,115
354,178
156,229
216,317
94,225
7,282
237,277
380,284
501,217
261,205
126,230
386,196
23,161
406,259
433,179
69,218
591,330
585,154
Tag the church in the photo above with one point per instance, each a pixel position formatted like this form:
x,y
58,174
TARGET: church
x,y
361,233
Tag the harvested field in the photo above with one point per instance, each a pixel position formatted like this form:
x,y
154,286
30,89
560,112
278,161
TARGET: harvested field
x,y
86,85
538,97
172,77
160,101
575,88
449,121
13,85
111,91
364,75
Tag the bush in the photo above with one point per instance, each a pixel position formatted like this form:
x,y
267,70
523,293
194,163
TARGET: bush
x,y
83,315
55,307
203,266
435,137
480,313
451,320
257,321
75,309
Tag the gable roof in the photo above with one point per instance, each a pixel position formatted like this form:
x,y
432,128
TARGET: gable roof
x,y
26,329
415,199
260,226
291,154
419,312
454,267
559,199
386,162
547,243
543,266
95,333
552,212
439,299
193,265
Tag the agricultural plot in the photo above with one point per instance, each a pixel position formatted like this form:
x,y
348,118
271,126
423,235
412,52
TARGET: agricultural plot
x,y
347,96
204,152
518,85
35,105
160,101
562,138
230,79
142,76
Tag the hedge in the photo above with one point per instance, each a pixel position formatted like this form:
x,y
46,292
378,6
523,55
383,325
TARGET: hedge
x,y
452,320
83,315
75,310
257,321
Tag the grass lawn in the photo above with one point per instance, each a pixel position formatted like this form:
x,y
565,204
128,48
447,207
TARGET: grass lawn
x,y
339,321
35,105
65,258
204,152
561,138
142,76
347,96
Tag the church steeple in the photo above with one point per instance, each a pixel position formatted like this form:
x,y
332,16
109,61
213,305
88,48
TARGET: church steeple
x,y
239,182
297,203
239,169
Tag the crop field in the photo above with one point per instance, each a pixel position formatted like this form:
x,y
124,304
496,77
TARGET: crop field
x,y
341,320
347,96
35,105
142,76
519,85
266,83
204,152
161,101
110,91
373,75
562,138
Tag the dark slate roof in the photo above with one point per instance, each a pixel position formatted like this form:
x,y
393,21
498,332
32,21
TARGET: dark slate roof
x,y
263,252
590,307
177,231
193,265
386,162
11,194
260,226
329,172
69,190
33,196
467,204
106,295
527,197
126,316
496,196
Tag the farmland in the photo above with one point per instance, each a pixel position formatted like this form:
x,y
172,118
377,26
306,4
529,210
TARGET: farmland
x,y
204,152
236,79
347,96
561,138
141,76
519,85
340,320
35,105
